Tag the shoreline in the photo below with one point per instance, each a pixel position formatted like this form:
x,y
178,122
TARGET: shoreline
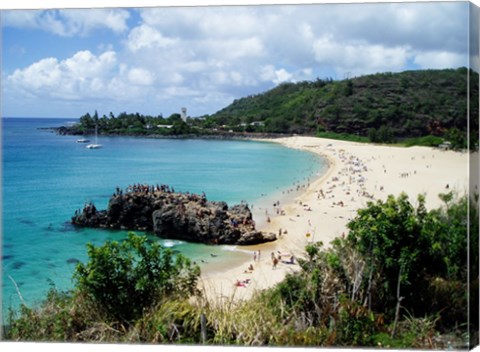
x,y
357,173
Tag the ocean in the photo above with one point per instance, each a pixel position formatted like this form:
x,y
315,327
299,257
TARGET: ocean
x,y
46,177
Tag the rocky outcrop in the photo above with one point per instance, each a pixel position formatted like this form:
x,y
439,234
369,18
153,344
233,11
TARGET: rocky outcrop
x,y
184,216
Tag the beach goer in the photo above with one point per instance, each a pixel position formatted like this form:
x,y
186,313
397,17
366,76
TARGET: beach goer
x,y
274,262
239,284
254,256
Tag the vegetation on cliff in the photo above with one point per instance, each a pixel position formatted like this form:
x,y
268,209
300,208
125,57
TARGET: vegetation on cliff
x,y
397,279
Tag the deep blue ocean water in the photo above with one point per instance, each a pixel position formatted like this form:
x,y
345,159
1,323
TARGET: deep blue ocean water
x,y
47,177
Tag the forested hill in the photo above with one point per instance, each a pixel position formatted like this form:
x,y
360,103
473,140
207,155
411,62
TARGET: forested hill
x,y
381,106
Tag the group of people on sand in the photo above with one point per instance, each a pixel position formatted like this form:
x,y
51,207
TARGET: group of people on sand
x,y
279,258
276,259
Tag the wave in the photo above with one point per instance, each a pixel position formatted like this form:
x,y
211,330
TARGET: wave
x,y
171,243
236,249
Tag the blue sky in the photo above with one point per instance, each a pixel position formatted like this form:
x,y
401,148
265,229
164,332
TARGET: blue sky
x,y
64,63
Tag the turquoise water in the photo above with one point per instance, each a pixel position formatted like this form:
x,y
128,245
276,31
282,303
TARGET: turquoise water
x,y
47,177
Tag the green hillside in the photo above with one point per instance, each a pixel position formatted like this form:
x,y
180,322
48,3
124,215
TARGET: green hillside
x,y
384,106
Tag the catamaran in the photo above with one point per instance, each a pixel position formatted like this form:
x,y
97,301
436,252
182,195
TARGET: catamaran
x,y
94,145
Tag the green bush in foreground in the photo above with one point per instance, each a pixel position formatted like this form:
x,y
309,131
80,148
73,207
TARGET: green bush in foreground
x,y
120,283
125,278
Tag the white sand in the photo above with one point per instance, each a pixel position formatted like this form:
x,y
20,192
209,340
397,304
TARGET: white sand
x,y
358,173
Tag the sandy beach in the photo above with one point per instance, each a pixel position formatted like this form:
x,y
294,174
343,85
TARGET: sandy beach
x,y
357,173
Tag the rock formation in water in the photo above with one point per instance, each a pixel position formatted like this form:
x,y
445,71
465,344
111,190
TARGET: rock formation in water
x,y
168,214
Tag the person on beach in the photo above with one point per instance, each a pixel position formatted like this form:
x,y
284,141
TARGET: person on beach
x,y
249,269
254,256
274,262
279,255
290,261
239,284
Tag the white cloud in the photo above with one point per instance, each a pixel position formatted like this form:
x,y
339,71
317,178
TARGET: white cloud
x,y
146,37
68,22
44,73
269,73
20,19
140,76
282,75
85,65
440,59
233,49
359,56
80,76
200,22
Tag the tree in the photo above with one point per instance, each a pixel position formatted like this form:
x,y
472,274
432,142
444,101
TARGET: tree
x,y
388,235
457,138
180,128
417,259
373,135
124,279
87,121
385,134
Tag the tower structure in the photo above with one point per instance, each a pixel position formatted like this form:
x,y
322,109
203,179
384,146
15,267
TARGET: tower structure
x,y
184,114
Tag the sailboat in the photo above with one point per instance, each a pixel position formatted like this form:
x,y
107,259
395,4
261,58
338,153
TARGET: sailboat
x,y
95,145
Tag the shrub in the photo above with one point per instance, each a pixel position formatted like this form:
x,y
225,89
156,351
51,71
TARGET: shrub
x,y
125,278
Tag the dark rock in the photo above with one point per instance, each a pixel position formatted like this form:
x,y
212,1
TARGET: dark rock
x,y
183,216
256,237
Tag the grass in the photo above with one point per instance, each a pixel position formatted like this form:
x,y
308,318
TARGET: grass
x,y
425,141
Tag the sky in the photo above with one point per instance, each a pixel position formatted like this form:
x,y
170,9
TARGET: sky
x,y
156,60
